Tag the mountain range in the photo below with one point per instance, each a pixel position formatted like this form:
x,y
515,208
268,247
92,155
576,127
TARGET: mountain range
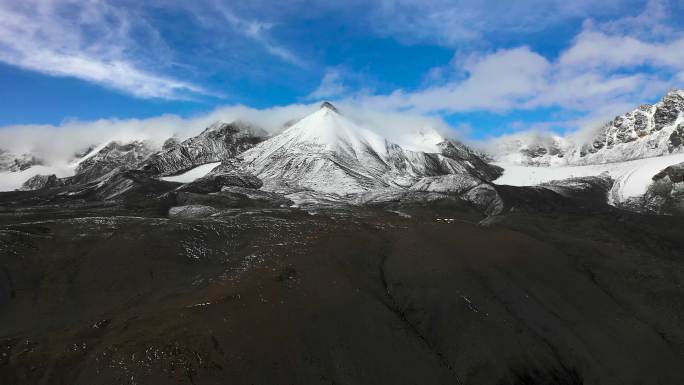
x,y
328,157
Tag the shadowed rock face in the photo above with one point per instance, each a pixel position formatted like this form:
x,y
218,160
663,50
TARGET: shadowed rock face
x,y
668,111
39,182
665,195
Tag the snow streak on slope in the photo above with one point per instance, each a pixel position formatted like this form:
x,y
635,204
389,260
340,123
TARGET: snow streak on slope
x,y
632,178
193,174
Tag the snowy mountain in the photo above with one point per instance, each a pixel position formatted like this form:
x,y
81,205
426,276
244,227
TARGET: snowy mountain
x,y
648,131
330,153
632,149
217,142
112,157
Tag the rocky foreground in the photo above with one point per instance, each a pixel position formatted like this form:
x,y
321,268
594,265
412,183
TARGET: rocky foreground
x,y
254,291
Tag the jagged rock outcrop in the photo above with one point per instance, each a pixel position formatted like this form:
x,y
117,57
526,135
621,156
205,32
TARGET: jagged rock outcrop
x,y
39,182
170,143
476,164
114,157
665,195
218,142
649,130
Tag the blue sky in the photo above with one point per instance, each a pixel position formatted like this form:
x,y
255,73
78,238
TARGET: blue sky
x,y
485,67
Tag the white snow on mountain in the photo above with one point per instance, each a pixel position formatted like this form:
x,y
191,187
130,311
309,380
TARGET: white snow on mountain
x,y
631,149
10,181
632,178
193,174
329,153
647,131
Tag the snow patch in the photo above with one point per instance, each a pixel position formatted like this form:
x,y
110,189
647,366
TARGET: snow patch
x,y
193,174
632,178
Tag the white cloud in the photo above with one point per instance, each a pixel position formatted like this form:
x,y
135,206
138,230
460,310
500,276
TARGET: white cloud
x,y
454,22
89,40
258,31
497,81
599,71
594,49
331,86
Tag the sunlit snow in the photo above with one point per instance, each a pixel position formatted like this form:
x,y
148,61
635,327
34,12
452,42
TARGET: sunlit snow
x,y
632,178
193,174
10,181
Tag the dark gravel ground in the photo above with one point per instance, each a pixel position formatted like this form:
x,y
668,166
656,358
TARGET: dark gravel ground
x,y
103,294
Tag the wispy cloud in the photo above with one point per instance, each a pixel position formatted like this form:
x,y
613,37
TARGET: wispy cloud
x,y
88,40
258,32
331,86
454,22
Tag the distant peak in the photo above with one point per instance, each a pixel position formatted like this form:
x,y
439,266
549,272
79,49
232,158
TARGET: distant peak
x,y
329,106
675,92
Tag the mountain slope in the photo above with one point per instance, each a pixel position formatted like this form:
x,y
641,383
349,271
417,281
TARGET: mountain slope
x,y
112,157
330,153
632,149
217,142
648,131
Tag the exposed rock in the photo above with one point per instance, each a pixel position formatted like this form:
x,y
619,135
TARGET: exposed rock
x,y
676,138
486,198
668,110
475,163
664,196
220,141
535,151
647,131
39,182
192,211
448,184
113,157
170,143
329,106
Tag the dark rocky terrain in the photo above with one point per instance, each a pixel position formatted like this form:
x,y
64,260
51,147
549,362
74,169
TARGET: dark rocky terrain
x,y
164,286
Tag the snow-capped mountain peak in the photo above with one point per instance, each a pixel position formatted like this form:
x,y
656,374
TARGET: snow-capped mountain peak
x,y
332,131
329,152
329,106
